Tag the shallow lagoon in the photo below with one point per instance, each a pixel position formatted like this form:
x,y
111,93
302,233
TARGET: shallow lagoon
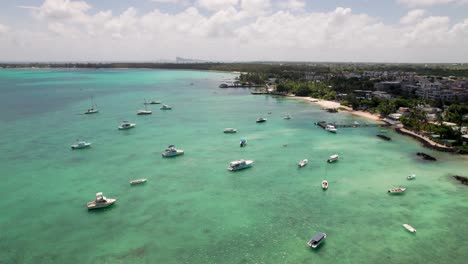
x,y
192,209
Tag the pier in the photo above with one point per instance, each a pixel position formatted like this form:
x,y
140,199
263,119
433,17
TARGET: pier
x,y
324,124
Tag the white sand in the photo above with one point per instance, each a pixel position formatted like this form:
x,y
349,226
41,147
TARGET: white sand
x,y
331,104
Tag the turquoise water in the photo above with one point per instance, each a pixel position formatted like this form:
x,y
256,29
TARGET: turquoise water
x,y
192,209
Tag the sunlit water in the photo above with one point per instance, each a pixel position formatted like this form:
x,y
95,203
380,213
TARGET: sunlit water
x,y
192,209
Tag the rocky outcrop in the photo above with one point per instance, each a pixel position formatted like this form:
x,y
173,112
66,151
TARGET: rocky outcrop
x,y
461,179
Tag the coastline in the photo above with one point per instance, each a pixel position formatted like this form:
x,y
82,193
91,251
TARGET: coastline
x,y
331,104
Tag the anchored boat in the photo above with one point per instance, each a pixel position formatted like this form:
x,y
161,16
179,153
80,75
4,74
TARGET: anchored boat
x,y
138,181
101,202
303,162
315,241
333,158
409,228
325,184
397,190
81,145
239,165
171,151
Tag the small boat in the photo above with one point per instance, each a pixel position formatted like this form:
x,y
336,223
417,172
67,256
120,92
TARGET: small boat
x,y
269,113
223,85
81,145
333,158
243,142
138,181
126,125
397,190
325,184
239,165
230,130
317,240
303,162
100,202
171,151
154,102
144,112
356,123
411,177
409,228
93,109
331,128
261,120
384,137
166,107
287,117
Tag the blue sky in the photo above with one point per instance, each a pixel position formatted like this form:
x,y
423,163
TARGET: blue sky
x,y
229,30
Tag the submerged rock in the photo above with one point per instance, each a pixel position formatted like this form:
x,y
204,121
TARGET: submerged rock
x,y
425,156
461,179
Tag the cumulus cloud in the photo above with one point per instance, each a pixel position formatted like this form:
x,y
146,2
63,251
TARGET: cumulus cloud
x,y
255,7
3,29
215,5
294,5
238,30
413,16
167,1
415,3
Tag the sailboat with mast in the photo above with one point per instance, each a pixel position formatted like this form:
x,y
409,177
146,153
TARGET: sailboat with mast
x,y
93,109
146,111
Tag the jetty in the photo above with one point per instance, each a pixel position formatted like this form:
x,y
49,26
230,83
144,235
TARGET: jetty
x,y
323,124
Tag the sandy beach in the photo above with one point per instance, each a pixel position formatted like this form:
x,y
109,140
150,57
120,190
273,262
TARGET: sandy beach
x,y
331,104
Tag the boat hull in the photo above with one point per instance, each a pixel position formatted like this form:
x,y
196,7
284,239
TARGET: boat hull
x,y
168,155
139,181
93,205
126,127
81,146
409,228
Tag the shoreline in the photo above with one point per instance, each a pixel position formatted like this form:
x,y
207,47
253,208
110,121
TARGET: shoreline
x,y
331,104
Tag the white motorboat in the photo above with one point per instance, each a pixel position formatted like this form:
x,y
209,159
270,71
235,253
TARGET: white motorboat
x,y
126,125
397,190
317,240
411,177
166,107
138,181
261,120
93,109
303,162
325,184
101,202
171,151
331,128
239,164
287,117
409,228
230,130
81,145
333,158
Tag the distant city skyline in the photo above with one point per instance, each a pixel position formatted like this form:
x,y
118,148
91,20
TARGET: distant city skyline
x,y
412,31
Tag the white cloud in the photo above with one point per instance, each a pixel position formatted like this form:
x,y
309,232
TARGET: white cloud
x,y
3,29
413,16
215,5
63,9
243,31
255,7
294,5
167,1
415,3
